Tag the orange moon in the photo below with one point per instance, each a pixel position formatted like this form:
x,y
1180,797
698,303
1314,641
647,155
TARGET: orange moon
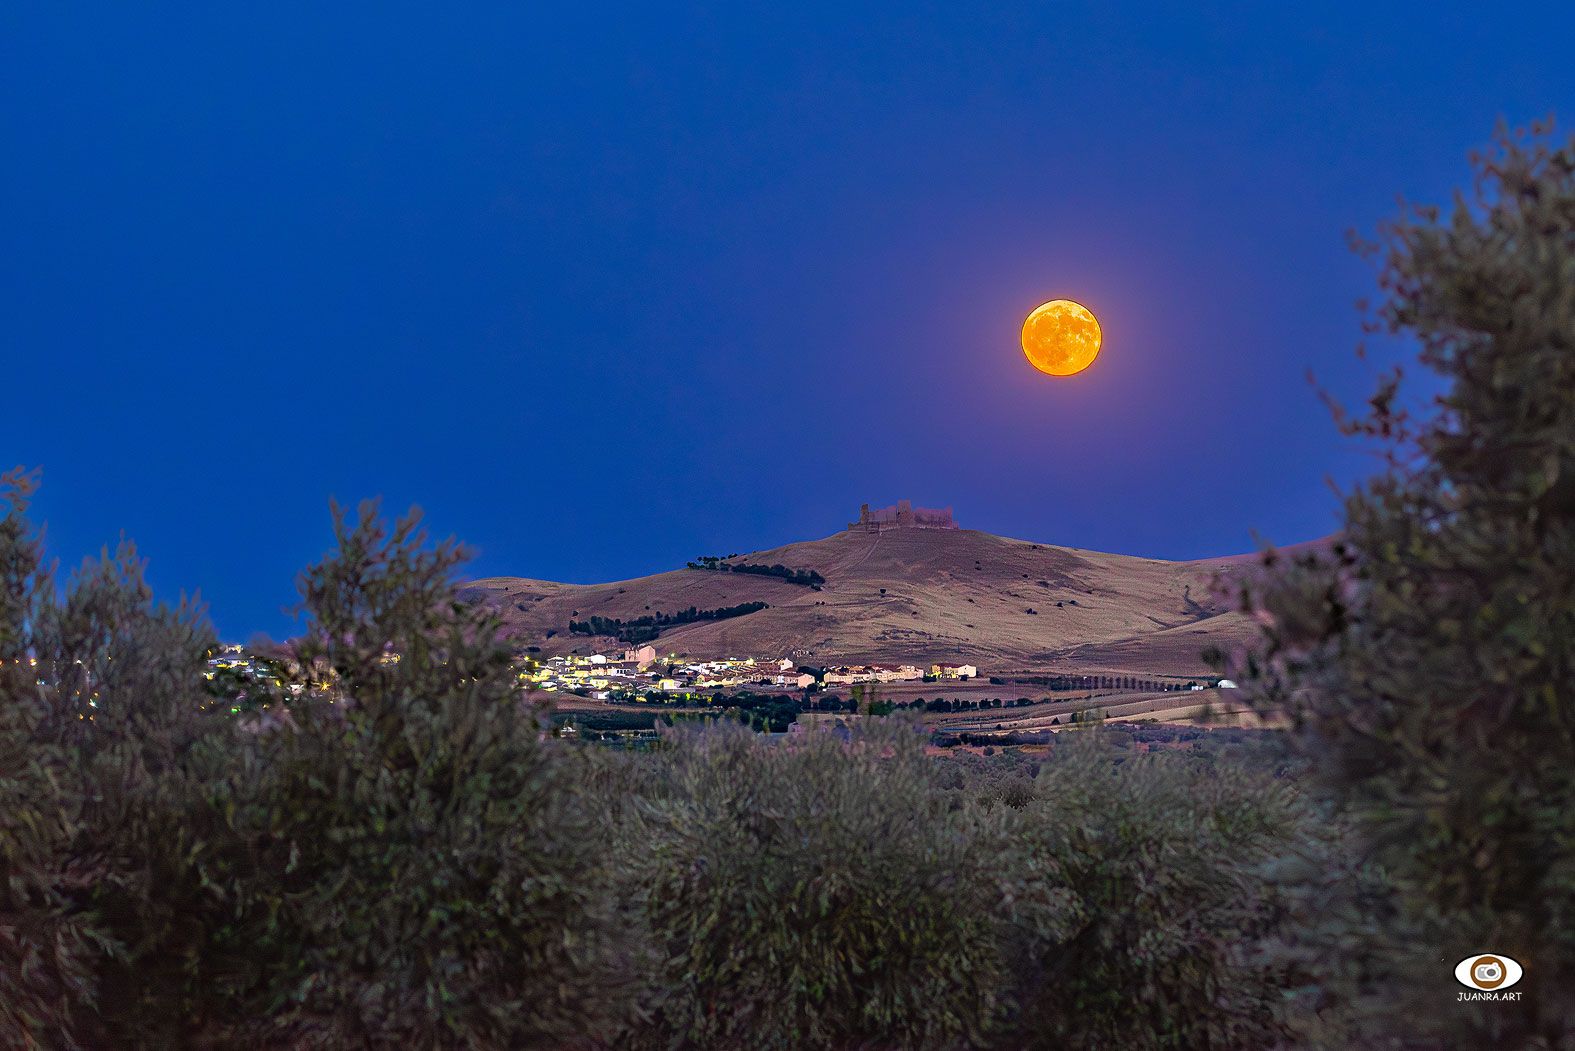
x,y
1061,338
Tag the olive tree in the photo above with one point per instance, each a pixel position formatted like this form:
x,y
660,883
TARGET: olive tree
x,y
423,870
46,951
1427,656
818,893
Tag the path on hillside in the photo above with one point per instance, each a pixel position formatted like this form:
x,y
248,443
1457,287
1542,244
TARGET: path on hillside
x,y
866,556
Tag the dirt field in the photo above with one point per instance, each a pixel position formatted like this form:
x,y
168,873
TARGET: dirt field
x,y
1048,712
1199,707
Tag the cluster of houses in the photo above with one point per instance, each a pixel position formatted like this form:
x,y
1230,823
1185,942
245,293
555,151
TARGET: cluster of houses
x,y
241,669
640,670
249,667
861,673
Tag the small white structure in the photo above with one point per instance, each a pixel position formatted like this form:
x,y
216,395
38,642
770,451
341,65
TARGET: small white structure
x,y
954,671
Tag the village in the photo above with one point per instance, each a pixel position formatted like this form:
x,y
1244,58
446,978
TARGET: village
x,y
640,672
772,694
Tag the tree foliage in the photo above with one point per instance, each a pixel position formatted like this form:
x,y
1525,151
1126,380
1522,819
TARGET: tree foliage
x,y
1166,862
423,869
1428,656
820,896
403,860
47,951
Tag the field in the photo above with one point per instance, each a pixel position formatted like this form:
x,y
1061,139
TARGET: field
x,y
1046,711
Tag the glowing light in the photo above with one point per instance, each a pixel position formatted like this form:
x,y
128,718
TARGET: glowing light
x,y
1061,338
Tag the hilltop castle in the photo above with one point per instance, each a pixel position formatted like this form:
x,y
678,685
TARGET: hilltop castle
x,y
903,515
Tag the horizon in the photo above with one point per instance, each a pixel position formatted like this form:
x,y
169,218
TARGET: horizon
x,y
603,295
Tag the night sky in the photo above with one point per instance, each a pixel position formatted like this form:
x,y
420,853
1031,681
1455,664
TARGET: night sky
x,y
604,290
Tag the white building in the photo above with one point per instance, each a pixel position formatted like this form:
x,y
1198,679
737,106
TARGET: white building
x,y
954,671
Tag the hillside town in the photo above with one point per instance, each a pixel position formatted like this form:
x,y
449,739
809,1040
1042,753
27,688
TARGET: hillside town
x,y
641,670
638,671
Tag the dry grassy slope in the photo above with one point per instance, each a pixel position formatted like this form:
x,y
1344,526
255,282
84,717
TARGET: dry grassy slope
x,y
948,595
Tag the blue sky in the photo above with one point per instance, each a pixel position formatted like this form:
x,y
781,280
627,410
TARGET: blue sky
x,y
605,289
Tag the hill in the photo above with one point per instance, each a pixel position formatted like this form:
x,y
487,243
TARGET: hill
x,y
913,595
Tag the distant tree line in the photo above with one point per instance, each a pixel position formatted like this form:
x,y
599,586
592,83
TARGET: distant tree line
x,y
957,704
767,712
804,577
644,629
784,707
1017,737
1094,682
761,711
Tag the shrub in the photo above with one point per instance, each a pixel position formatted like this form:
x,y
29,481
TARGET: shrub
x,y
1164,860
819,896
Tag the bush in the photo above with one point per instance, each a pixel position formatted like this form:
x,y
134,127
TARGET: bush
x,y
1164,861
819,896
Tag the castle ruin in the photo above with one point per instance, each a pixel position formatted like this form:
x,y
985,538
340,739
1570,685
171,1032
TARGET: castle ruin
x,y
902,515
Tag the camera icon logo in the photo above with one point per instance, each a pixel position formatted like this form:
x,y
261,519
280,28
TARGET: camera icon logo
x,y
1488,971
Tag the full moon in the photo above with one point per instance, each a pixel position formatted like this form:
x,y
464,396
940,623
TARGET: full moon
x,y
1061,338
